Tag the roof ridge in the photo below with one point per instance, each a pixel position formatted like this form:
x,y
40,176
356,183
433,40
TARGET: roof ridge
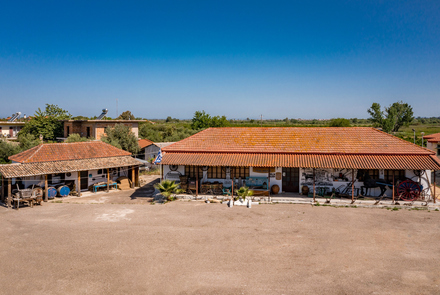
x,y
36,150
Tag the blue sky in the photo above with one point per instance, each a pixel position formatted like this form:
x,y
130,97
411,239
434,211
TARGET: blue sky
x,y
296,59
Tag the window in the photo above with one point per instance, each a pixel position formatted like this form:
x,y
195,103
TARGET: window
x,y
217,172
68,130
398,175
88,132
438,149
102,171
242,172
373,174
190,171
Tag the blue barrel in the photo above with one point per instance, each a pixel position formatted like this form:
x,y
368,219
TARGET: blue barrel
x,y
63,191
51,192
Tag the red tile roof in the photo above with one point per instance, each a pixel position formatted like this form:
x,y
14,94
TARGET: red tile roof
x,y
355,148
143,143
333,140
433,137
68,151
416,162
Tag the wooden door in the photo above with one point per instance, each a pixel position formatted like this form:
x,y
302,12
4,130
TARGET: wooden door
x,y
291,180
84,180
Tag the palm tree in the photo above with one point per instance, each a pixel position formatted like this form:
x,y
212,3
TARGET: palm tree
x,y
168,189
244,192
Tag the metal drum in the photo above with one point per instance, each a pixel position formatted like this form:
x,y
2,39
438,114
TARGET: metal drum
x,y
63,191
51,192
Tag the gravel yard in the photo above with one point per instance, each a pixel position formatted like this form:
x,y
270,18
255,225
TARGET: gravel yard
x,y
189,247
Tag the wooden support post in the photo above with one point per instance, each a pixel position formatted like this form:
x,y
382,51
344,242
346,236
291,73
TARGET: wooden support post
x,y
78,188
352,185
393,186
197,180
231,174
46,188
108,179
2,196
138,184
9,195
268,182
132,177
314,191
435,196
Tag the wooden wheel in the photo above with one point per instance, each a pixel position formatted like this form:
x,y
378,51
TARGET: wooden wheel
x,y
409,190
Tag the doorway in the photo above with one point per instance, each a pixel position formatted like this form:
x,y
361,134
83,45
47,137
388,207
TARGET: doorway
x,y
291,180
84,175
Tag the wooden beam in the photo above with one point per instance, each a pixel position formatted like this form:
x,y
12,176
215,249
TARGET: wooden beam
x,y
132,177
2,195
231,174
108,179
9,196
352,185
314,191
78,187
393,186
138,184
435,196
46,188
197,180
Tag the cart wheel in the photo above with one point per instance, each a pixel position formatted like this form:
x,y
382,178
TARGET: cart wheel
x,y
409,190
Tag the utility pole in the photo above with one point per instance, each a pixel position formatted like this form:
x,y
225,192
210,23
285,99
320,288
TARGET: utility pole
x,y
261,122
117,108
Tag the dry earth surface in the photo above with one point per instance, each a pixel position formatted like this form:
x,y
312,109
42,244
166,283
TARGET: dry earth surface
x,y
197,248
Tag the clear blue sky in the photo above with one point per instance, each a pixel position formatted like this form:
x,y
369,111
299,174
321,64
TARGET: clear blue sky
x,y
296,59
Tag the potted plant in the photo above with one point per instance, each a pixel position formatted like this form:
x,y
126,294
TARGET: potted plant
x,y
169,189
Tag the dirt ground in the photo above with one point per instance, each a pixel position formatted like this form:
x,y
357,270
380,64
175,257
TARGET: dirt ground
x,y
189,247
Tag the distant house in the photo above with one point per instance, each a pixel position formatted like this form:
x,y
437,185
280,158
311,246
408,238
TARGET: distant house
x,y
81,163
433,143
96,128
10,129
149,149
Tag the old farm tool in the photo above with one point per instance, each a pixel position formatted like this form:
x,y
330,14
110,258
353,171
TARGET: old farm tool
x,y
409,190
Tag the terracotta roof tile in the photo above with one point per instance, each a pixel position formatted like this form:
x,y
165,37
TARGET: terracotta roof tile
x,y
433,137
68,151
321,140
416,162
143,143
41,168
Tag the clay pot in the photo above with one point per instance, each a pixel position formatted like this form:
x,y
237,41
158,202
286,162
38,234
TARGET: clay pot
x,y
275,189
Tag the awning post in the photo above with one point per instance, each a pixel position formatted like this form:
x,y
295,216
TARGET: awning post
x,y
2,196
108,179
352,185
435,196
9,196
393,186
314,191
197,180
46,188
78,188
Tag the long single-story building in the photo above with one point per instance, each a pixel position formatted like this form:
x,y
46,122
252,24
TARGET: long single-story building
x,y
293,157
81,163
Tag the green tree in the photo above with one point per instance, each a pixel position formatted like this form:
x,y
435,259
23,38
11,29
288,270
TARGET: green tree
x,y
47,123
339,122
121,137
202,120
127,115
6,150
395,116
27,141
75,137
